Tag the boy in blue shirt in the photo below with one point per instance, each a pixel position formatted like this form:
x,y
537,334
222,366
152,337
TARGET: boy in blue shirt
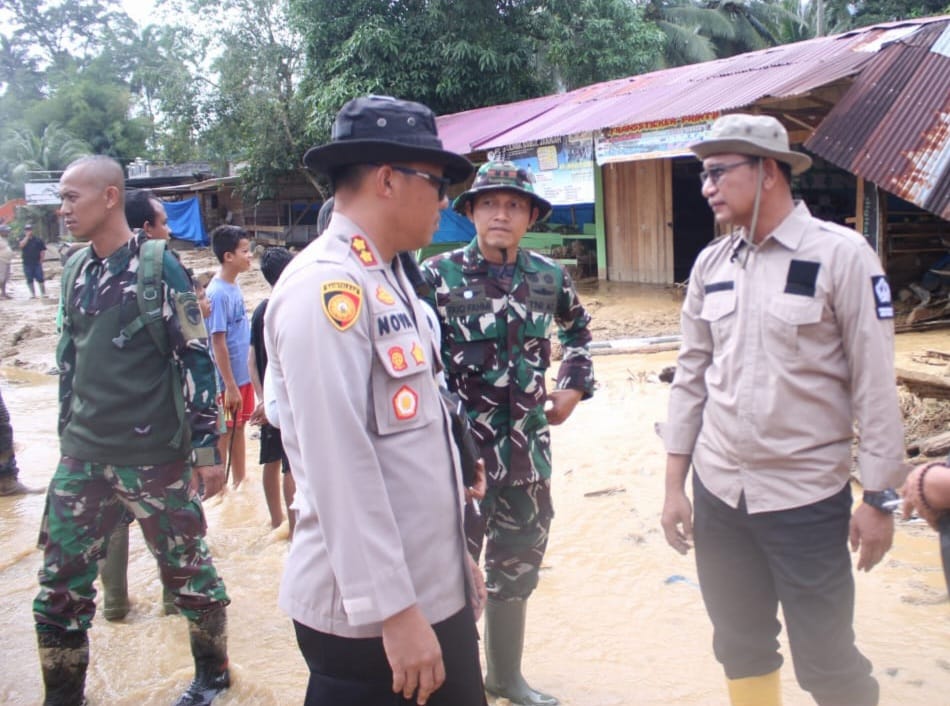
x,y
230,333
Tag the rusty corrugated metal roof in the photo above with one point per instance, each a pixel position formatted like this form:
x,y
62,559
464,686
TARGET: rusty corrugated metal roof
x,y
892,127
721,85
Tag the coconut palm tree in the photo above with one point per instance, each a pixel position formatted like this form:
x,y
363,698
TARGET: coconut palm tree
x,y
701,30
49,151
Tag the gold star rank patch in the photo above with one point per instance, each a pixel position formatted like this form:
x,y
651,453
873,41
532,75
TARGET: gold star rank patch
x,y
342,302
383,296
405,403
359,245
417,354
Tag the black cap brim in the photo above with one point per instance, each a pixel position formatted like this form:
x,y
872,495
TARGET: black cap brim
x,y
325,158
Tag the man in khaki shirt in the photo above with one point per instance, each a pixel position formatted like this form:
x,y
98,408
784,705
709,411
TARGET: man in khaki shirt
x,y
787,342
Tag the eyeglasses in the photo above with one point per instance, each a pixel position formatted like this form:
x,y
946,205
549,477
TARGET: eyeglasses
x,y
714,174
440,183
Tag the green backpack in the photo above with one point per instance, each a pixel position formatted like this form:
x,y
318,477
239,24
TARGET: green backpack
x,y
149,293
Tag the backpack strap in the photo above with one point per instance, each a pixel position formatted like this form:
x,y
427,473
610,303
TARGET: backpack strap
x,y
67,282
150,294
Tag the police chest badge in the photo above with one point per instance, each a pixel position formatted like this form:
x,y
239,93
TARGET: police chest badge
x,y
342,302
383,296
405,403
882,297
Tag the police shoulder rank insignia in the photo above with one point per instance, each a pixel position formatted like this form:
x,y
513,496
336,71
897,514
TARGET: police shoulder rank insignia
x,y
342,302
383,296
417,353
882,297
398,358
405,403
359,245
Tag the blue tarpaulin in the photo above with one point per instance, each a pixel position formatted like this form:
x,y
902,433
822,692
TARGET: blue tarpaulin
x,y
453,228
184,220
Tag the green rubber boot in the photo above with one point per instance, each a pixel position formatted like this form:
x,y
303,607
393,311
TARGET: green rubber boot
x,y
209,646
504,644
64,657
114,575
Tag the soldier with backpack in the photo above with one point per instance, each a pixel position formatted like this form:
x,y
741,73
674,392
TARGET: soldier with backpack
x,y
137,433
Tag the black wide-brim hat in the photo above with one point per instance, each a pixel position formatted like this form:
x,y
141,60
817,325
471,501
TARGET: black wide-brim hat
x,y
382,130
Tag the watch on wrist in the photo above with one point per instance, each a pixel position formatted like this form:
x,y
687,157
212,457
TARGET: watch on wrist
x,y
205,456
886,500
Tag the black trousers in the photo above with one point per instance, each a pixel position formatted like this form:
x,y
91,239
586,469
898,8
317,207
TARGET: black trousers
x,y
749,563
354,672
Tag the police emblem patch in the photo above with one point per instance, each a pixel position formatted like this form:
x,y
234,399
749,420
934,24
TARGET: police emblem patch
x,y
398,358
342,302
405,403
882,297
417,354
383,296
359,245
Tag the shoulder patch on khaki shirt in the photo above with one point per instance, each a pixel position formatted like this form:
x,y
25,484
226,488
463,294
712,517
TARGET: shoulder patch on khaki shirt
x,y
882,297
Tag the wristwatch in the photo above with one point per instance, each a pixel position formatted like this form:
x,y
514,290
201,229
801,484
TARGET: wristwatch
x,y
886,500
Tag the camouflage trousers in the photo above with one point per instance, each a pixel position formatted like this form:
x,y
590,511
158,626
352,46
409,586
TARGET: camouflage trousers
x,y
85,503
513,525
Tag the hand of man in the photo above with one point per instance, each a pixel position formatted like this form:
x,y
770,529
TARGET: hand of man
x,y
873,532
481,592
563,403
414,654
476,491
211,476
677,521
258,418
232,398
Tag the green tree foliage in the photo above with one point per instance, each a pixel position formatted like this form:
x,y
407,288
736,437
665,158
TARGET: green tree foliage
x,y
868,12
454,56
23,152
255,114
702,30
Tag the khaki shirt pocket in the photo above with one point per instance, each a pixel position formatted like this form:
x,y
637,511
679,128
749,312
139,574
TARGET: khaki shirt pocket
x,y
786,321
404,391
719,311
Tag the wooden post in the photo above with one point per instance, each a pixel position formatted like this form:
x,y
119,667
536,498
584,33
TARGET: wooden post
x,y
600,226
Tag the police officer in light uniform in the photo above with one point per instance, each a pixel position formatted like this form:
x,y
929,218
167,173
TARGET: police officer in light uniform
x,y
788,340
377,581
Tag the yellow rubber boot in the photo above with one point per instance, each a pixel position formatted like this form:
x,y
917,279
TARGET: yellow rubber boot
x,y
765,690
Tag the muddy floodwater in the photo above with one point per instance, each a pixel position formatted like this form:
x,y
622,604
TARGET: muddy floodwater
x,y
616,621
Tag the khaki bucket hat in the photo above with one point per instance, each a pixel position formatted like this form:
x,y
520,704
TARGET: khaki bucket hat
x,y
756,135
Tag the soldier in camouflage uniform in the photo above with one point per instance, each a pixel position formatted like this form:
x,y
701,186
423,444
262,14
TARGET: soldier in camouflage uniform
x,y
496,304
126,444
9,483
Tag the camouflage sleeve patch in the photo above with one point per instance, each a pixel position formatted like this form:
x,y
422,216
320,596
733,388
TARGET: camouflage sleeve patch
x,y
188,313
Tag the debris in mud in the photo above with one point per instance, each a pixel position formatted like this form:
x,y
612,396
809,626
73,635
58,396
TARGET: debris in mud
x,y
605,491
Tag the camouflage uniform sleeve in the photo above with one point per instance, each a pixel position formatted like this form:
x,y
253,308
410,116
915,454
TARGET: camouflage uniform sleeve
x,y
189,344
430,274
577,369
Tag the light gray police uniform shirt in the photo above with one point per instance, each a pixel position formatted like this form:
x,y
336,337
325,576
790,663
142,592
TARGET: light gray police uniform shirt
x,y
379,491
786,345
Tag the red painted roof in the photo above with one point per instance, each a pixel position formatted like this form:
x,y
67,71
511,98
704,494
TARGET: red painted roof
x,y
721,85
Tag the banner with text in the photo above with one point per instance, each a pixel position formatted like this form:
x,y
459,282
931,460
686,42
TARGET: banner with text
x,y
657,139
563,167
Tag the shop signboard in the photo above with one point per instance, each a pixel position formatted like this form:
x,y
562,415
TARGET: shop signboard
x,y
657,139
563,167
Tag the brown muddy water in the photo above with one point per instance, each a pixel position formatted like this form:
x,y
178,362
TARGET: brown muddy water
x,y
616,621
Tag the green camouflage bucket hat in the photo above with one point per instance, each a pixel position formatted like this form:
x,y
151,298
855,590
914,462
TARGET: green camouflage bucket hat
x,y
503,176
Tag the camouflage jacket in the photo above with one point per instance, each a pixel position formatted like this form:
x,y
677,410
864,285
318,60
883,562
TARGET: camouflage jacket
x,y
107,287
495,349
